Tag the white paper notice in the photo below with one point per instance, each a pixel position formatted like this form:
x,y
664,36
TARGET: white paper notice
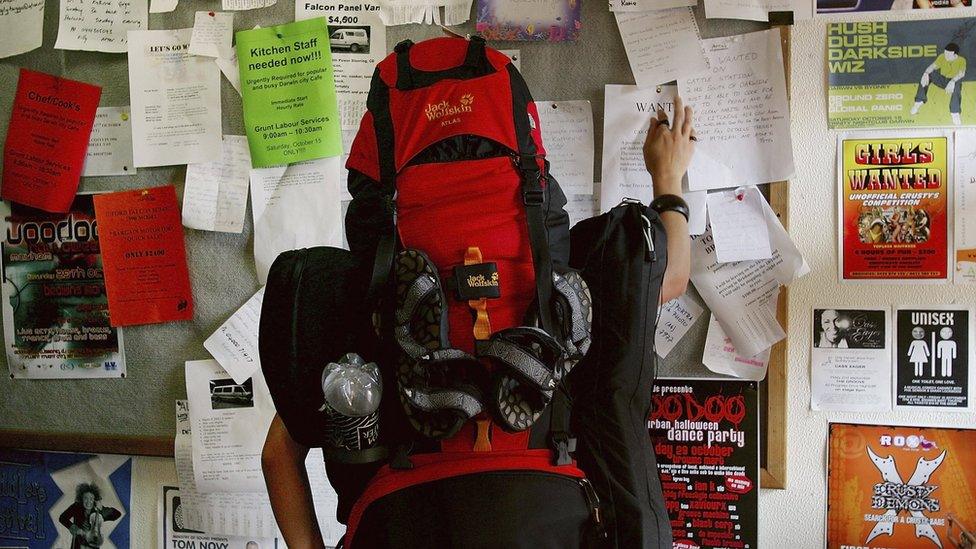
x,y
21,26
742,118
239,5
697,211
624,6
295,206
662,46
175,100
850,360
110,144
515,56
213,34
162,6
226,418
721,357
99,25
231,71
235,344
743,295
965,204
674,320
739,225
580,207
626,119
757,10
245,513
358,41
215,193
567,134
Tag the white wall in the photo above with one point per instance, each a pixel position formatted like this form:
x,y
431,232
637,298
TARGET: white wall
x,y
794,518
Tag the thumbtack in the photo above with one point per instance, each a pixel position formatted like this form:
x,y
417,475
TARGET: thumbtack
x,y
740,194
211,14
553,105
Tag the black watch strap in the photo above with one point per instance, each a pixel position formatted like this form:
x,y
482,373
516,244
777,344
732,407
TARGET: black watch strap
x,y
671,203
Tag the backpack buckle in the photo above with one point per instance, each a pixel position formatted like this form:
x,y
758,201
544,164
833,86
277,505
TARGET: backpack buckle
x,y
533,197
563,444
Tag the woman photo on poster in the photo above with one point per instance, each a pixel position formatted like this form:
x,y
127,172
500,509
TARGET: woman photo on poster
x,y
85,516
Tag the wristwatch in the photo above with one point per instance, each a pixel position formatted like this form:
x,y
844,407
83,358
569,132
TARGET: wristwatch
x,y
670,203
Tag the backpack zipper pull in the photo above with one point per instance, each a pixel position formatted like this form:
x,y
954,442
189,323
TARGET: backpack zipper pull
x,y
651,255
482,442
593,502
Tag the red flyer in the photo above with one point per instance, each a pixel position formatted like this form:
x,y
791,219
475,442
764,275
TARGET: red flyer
x,y
144,255
50,124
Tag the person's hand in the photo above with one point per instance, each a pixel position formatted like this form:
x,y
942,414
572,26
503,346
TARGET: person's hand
x,y
925,79
668,149
74,530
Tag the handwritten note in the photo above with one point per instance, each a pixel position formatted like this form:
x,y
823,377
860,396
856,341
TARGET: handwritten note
x,y
721,357
567,134
580,207
235,344
240,5
756,10
739,225
741,113
99,25
625,6
110,145
215,193
662,45
676,318
21,26
213,34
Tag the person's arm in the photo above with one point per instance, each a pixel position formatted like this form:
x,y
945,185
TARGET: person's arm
x,y
925,76
283,463
66,519
667,153
109,513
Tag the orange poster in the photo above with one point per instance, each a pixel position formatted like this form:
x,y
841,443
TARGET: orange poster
x,y
899,487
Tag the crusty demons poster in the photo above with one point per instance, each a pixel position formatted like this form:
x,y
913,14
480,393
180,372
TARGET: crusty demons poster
x,y
901,73
706,439
899,487
893,206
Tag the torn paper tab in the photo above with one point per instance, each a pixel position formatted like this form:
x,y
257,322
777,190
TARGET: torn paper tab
x,y
235,344
675,319
721,357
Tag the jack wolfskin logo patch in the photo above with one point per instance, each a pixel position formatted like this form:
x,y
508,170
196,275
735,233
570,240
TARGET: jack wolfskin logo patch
x,y
476,281
435,111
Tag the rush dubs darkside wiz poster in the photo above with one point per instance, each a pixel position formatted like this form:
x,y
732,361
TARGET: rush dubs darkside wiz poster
x,y
706,438
893,206
897,487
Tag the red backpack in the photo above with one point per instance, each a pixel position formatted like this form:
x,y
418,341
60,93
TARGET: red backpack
x,y
452,199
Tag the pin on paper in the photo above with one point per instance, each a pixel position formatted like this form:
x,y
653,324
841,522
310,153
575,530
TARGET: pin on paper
x,y
740,194
211,14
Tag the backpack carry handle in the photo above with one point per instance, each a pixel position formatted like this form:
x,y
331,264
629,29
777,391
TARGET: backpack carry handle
x,y
475,64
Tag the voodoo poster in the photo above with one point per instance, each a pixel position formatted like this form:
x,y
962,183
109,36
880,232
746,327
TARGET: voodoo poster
x,y
893,206
904,487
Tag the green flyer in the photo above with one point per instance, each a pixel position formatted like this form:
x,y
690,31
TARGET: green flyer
x,y
290,111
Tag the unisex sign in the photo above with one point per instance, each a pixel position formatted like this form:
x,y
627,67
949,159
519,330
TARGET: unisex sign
x,y
933,358
287,84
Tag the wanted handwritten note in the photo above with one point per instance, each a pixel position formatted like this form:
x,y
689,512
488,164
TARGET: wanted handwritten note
x,y
741,113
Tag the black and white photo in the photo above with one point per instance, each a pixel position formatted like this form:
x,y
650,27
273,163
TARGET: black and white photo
x,y
850,360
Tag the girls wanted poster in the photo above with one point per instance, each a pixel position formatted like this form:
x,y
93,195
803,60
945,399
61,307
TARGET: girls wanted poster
x,y
933,358
904,487
706,438
893,207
